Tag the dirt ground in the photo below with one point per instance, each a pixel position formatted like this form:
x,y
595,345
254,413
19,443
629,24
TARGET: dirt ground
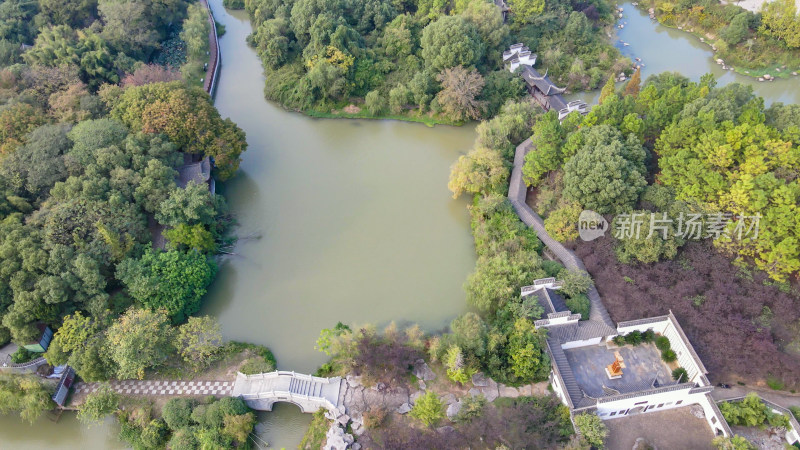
x,y
672,429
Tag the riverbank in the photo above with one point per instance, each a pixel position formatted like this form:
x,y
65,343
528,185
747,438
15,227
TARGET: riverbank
x,y
353,112
745,54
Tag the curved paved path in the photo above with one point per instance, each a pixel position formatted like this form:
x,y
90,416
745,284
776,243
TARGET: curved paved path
x,y
516,194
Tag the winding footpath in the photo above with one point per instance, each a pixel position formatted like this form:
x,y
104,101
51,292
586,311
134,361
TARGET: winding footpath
x,y
516,194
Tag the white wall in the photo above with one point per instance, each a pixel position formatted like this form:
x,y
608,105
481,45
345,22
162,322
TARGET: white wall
x,y
586,343
662,402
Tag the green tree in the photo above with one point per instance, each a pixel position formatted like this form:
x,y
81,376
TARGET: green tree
x,y
375,103
479,171
194,237
607,173
524,11
98,405
526,351
198,341
24,394
428,409
177,413
545,154
575,282
189,206
608,90
497,278
592,429
399,97
173,281
737,30
449,42
779,20
562,223
140,339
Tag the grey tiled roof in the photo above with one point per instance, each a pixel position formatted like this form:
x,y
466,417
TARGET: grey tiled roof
x,y
543,83
632,323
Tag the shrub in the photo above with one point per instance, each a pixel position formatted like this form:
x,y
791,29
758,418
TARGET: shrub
x,y
668,355
620,340
732,443
257,365
177,413
471,407
648,336
634,338
662,342
428,409
752,412
592,429
680,375
22,355
775,383
579,304
374,417
98,404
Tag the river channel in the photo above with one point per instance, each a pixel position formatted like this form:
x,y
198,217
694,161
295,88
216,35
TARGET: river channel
x,y
348,221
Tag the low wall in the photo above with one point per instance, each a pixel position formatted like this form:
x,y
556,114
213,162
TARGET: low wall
x,y
212,72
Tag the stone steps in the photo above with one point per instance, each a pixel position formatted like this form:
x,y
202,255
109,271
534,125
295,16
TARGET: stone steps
x,y
310,388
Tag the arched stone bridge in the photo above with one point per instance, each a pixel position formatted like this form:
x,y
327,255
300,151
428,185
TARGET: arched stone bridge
x,y
310,393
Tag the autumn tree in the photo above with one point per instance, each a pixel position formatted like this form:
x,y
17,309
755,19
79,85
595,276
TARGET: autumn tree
x,y
150,73
632,87
461,89
185,114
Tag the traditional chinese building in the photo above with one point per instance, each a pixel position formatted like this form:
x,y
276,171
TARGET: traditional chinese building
x,y
592,374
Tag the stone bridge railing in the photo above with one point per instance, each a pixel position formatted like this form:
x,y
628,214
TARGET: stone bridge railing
x,y
310,393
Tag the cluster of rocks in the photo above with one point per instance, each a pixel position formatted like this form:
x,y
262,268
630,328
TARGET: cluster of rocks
x,y
652,13
355,399
766,77
722,63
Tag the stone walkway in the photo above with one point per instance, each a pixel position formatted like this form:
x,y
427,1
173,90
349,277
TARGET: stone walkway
x,y
145,387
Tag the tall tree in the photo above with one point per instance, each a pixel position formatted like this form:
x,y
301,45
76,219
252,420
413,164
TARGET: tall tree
x,y
461,89
140,339
632,88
